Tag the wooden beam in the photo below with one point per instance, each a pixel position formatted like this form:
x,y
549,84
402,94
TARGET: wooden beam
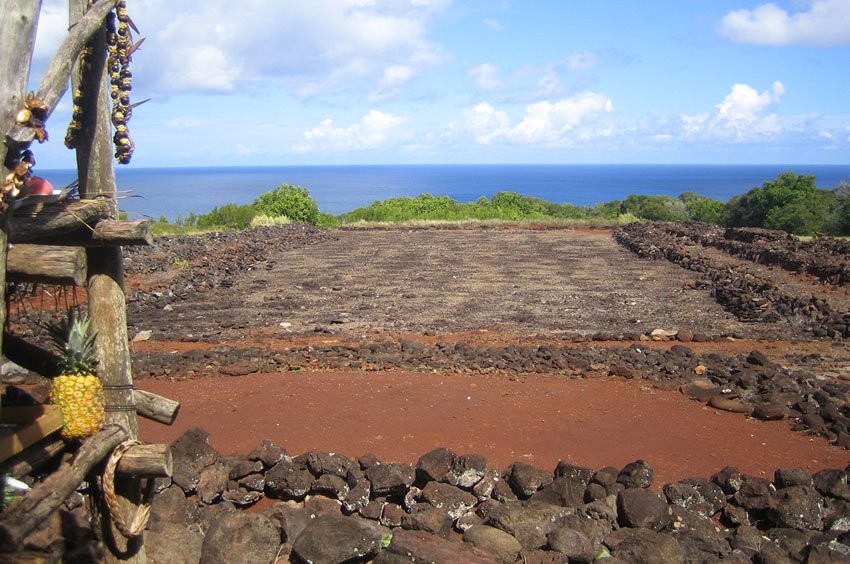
x,y
33,457
53,221
27,513
48,264
55,81
156,407
106,233
121,233
147,461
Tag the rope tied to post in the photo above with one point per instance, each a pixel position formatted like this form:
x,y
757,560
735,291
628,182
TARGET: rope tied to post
x,y
140,518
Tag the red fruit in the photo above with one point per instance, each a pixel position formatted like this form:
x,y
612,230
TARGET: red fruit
x,y
38,186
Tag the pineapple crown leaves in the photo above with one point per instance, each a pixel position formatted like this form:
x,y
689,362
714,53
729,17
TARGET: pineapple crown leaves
x,y
71,337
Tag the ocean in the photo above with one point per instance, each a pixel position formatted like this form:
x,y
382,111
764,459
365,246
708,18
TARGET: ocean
x,y
176,192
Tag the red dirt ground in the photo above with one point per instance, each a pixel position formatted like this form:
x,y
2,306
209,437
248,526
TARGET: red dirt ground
x,y
534,419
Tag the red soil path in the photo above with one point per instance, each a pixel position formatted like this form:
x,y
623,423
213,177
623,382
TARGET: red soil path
x,y
534,419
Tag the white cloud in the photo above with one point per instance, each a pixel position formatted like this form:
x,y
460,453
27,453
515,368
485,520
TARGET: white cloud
x,y
486,76
52,29
486,123
825,24
216,45
544,123
394,78
374,129
741,116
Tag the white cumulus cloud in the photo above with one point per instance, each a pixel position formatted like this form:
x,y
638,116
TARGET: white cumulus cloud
x,y
744,114
374,130
543,123
217,45
825,24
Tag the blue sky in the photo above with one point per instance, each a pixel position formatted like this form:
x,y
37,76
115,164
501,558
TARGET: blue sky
x,y
265,82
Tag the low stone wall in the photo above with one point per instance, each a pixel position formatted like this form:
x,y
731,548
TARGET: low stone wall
x,y
743,293
453,508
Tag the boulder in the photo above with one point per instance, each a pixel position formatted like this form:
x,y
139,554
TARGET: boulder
x,y
419,546
525,479
450,499
288,480
638,474
430,519
191,453
241,537
528,521
467,470
212,482
435,465
327,463
390,479
644,546
798,507
643,508
332,485
170,545
500,543
336,539
576,473
574,544
268,453
561,491
242,466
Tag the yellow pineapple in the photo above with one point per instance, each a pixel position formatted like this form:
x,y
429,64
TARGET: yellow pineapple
x,y
77,390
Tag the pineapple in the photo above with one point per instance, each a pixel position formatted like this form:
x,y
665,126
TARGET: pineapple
x,y
77,390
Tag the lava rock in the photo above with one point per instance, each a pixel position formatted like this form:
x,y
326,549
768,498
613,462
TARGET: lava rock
x,y
642,508
336,539
240,537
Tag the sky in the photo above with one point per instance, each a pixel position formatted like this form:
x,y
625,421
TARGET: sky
x,y
288,82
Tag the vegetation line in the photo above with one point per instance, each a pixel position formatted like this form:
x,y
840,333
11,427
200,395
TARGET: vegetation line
x,y
791,202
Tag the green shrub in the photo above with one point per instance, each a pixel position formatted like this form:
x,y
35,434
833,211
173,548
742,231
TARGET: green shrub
x,y
517,206
291,201
704,209
791,202
655,208
228,216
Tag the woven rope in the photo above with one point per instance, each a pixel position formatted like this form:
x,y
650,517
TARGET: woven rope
x,y
143,511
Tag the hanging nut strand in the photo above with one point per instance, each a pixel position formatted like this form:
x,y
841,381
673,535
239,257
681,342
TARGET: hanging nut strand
x,y
119,42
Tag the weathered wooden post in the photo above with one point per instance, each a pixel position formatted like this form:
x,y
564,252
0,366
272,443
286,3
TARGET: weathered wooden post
x,y
18,24
107,307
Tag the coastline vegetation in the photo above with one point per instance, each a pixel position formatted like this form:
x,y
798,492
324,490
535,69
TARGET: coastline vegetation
x,y
790,202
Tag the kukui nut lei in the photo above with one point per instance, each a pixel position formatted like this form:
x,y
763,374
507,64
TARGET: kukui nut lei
x,y
120,47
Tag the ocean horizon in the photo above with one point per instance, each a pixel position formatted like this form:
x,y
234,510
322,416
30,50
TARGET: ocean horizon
x,y
177,192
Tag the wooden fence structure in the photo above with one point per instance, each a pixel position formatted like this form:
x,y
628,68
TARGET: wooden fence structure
x,y
74,242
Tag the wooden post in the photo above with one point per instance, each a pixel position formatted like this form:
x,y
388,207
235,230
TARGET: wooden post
x,y
18,24
107,307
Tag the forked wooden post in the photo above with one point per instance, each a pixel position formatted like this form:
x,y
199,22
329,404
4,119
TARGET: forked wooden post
x,y
107,307
18,24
